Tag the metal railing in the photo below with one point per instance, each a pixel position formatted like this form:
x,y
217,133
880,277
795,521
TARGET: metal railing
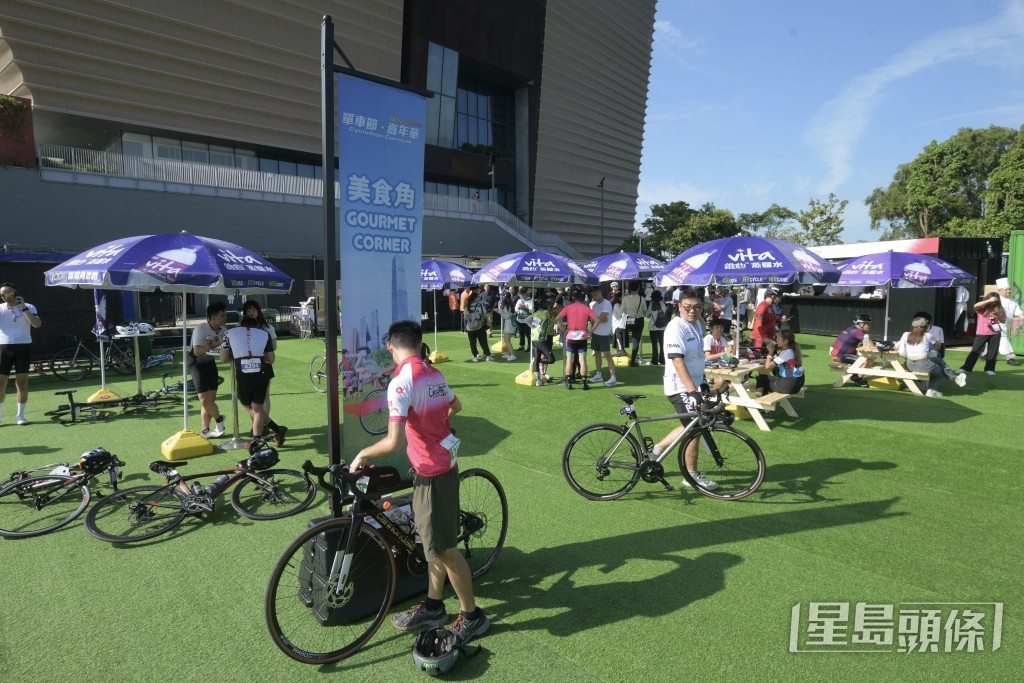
x,y
142,169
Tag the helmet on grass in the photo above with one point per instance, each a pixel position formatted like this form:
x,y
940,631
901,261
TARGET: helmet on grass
x,y
436,650
95,461
263,459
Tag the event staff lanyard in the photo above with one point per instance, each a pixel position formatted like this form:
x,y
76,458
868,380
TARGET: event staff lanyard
x,y
692,328
248,341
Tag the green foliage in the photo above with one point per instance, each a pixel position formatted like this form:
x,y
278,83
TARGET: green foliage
x,y
1004,196
674,228
775,222
822,222
942,191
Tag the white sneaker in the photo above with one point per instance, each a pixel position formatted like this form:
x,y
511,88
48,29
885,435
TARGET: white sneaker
x,y
21,420
702,481
475,359
510,358
218,429
489,359
597,377
990,372
541,383
961,380
611,382
932,393
547,377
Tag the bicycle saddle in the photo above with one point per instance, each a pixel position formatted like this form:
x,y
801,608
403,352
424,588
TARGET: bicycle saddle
x,y
161,467
628,399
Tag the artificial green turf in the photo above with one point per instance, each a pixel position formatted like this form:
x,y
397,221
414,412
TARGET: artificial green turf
x,y
870,496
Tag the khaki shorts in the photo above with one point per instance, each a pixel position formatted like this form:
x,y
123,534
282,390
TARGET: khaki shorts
x,y
435,507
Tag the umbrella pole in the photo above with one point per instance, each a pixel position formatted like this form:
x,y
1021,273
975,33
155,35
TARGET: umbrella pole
x,y
236,442
434,297
888,295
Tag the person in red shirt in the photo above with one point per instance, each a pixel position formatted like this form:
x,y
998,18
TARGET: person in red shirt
x,y
421,405
578,321
766,322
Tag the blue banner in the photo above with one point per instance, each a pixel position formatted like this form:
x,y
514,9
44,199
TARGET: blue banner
x,y
380,174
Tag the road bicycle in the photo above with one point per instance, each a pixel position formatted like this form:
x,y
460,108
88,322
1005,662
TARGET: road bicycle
x,y
33,503
605,461
144,512
333,586
74,412
318,372
373,411
76,362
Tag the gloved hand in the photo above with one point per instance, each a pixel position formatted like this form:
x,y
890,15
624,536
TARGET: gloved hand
x,y
693,400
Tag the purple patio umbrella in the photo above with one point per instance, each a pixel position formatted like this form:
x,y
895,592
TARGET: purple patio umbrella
x,y
744,260
533,269
623,265
176,262
436,274
901,270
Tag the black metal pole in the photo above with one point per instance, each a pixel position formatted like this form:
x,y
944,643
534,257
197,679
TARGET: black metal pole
x,y
330,248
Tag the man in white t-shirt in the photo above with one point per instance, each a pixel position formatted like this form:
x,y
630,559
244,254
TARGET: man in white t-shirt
x,y
1014,316
202,365
684,373
17,318
600,340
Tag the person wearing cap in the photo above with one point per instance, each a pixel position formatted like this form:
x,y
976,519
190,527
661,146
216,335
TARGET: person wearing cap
x,y
991,321
916,346
1013,313
844,349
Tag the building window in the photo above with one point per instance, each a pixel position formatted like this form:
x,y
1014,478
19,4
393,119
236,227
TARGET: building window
x,y
485,119
167,148
135,145
442,80
195,152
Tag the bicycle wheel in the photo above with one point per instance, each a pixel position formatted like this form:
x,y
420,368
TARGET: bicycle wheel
x,y
600,464
727,457
273,494
136,514
318,373
309,620
36,505
71,364
483,519
373,413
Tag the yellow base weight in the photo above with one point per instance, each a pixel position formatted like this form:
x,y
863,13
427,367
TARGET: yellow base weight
x,y
438,357
887,383
497,347
185,444
526,378
621,361
741,412
102,395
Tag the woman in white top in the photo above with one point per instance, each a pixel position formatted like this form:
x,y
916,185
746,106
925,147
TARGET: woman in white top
x,y
618,324
916,347
251,309
657,320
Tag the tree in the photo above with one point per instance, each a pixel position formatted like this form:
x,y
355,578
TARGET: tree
x,y
942,191
1004,196
776,222
822,222
674,228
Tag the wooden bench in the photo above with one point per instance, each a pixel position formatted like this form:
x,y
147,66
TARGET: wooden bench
x,y
890,366
769,401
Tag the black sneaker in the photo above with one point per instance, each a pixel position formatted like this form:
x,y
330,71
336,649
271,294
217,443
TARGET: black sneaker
x,y
468,629
586,385
419,617
568,385
281,431
1012,361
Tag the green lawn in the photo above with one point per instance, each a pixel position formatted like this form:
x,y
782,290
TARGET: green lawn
x,y
870,496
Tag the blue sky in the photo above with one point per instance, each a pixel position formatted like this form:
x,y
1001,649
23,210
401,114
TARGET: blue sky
x,y
752,103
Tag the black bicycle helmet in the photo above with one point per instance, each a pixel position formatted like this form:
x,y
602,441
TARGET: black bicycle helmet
x,y
774,291
263,459
95,461
436,650
862,318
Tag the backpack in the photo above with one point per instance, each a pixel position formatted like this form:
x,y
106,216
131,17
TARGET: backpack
x,y
661,319
474,316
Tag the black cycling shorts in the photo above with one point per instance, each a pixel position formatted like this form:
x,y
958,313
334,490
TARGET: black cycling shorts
x,y
16,356
253,389
204,377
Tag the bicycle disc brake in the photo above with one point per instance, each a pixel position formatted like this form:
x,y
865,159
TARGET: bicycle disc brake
x,y
334,599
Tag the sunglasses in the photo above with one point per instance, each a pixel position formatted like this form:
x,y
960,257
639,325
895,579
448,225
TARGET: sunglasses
x,y
689,308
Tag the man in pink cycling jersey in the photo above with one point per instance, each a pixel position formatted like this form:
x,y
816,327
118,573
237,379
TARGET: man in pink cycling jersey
x,y
578,321
421,404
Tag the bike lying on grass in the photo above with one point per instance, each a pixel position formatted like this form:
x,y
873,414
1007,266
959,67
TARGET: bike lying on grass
x,y
144,512
605,461
32,503
333,586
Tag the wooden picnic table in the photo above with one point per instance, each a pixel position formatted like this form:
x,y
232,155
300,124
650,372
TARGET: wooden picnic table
x,y
740,392
890,364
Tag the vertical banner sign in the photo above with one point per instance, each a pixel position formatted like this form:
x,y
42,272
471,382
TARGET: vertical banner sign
x,y
380,175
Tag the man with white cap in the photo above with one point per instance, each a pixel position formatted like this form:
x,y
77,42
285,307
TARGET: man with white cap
x,y
1013,312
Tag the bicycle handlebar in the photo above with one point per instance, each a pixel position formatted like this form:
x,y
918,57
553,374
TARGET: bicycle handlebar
x,y
339,471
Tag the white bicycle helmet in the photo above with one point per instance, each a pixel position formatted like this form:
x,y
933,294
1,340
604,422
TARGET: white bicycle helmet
x,y
127,330
145,328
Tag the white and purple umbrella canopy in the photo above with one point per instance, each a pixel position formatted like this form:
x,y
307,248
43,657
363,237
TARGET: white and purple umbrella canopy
x,y
623,265
438,274
901,270
744,260
533,268
175,262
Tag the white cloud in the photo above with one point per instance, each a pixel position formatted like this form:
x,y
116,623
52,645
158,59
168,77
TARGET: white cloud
x,y
659,192
668,36
838,126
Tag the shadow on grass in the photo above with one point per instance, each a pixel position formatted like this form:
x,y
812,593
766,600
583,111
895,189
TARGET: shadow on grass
x,y
29,450
854,403
804,482
569,606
